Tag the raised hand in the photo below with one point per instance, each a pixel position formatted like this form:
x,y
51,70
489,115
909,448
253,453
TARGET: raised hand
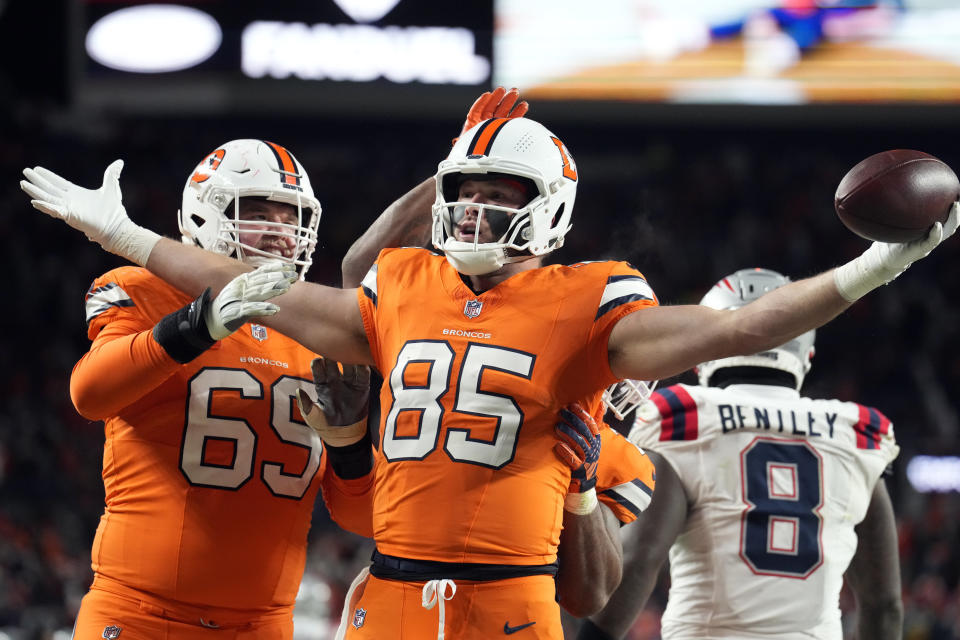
x,y
99,214
498,103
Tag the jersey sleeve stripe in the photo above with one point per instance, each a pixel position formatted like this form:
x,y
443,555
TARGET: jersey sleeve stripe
x,y
871,428
100,299
679,412
623,289
369,284
634,496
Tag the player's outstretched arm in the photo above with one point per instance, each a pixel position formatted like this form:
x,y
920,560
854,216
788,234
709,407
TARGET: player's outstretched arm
x,y
659,342
326,320
407,222
645,546
323,319
589,555
874,572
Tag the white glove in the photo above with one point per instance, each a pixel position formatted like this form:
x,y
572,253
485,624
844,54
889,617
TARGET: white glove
x,y
98,214
883,261
243,298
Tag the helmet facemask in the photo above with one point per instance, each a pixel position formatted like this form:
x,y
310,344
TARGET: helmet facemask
x,y
521,151
231,228
511,226
623,397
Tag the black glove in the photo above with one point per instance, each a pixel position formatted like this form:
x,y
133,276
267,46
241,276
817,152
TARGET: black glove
x,y
341,418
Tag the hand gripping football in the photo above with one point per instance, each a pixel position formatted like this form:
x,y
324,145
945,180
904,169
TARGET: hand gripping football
x,y
896,195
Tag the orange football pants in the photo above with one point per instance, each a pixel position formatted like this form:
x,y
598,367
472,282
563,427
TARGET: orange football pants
x,y
524,608
111,610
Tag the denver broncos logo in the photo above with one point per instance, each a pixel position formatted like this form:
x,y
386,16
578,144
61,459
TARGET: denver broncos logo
x,y
212,161
569,166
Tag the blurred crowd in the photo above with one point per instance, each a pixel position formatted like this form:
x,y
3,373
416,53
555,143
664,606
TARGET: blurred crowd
x,y
683,204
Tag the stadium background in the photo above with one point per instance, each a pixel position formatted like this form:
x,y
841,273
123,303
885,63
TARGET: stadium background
x,y
687,192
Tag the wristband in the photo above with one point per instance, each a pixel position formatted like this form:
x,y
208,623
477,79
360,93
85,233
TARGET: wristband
x,y
134,243
352,461
857,278
183,334
344,436
582,503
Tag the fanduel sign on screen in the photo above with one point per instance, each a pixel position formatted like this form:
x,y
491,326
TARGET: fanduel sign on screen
x,y
356,41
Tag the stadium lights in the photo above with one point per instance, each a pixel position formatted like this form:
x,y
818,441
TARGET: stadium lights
x,y
153,38
934,474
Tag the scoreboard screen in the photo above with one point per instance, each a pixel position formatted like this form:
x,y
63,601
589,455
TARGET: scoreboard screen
x,y
737,52
296,55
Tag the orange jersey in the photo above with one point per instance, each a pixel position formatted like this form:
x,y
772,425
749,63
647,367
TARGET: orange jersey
x,y
625,480
209,471
472,389
625,476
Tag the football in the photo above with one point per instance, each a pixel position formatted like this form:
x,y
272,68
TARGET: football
x,y
896,195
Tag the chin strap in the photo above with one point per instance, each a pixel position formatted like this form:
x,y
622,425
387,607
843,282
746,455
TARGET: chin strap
x,y
467,259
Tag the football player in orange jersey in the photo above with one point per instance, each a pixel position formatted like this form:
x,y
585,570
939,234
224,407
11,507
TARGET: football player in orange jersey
x,y
589,559
624,482
210,477
479,349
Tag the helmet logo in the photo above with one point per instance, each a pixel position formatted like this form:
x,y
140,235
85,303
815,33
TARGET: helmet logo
x,y
212,161
569,166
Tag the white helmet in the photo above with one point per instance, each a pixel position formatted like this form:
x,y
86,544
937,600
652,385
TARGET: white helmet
x,y
739,289
241,169
518,148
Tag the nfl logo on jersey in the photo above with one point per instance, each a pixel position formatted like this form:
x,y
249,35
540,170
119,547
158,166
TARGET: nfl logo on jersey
x,y
472,308
259,332
359,617
111,632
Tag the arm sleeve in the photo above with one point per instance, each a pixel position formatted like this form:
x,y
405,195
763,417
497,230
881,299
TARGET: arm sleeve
x,y
123,364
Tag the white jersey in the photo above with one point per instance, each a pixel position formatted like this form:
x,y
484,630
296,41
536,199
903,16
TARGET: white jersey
x,y
776,484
